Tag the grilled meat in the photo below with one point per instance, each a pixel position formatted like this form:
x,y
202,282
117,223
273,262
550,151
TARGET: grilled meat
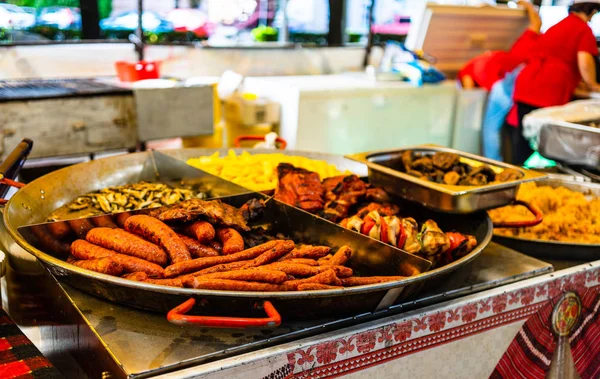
x,y
385,209
508,174
445,161
299,187
253,209
214,211
378,195
347,193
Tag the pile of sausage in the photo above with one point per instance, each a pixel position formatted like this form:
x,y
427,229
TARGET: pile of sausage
x,y
143,248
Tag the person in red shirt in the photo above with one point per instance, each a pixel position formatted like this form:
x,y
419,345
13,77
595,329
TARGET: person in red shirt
x,y
562,58
488,68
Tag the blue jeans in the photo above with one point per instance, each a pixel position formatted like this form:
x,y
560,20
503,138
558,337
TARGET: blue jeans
x,y
500,102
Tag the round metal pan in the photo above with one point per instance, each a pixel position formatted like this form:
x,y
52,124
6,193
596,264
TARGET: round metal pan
x,y
38,199
556,249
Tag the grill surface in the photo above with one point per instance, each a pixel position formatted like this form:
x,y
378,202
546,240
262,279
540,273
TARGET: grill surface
x,y
42,89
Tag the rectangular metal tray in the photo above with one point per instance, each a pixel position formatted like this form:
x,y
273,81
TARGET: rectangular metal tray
x,y
447,198
571,143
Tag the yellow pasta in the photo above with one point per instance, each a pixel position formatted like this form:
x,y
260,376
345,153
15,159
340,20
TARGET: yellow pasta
x,y
258,171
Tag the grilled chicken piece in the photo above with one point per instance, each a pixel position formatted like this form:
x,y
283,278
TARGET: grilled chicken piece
x,y
424,164
385,209
378,195
445,161
253,209
407,159
214,211
478,179
433,240
299,187
348,192
330,183
508,174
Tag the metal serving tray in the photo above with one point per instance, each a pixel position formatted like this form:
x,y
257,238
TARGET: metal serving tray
x,y
447,198
571,143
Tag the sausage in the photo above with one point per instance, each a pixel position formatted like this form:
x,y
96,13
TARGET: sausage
x,y
81,227
364,280
137,276
126,243
340,271
303,261
341,257
273,254
121,218
104,222
293,269
103,265
198,250
143,277
48,242
316,287
225,267
60,230
181,268
326,277
229,285
82,249
308,251
175,282
215,245
253,275
325,259
232,240
159,233
71,259
202,231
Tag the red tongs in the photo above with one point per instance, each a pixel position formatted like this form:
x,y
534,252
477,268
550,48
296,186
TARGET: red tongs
x,y
10,168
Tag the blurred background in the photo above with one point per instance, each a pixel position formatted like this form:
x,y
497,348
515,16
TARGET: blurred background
x,y
222,22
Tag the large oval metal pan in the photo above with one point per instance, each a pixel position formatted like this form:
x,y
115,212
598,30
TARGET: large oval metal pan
x,y
556,249
37,200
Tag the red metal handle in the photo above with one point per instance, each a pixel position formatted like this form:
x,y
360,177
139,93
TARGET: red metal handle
x,y
239,139
178,316
539,217
12,183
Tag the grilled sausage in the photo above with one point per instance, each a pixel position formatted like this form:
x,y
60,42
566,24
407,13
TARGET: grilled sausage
x,y
82,249
225,267
215,245
60,230
231,239
175,282
316,287
324,260
142,277
159,233
198,250
202,231
364,280
48,242
81,227
302,261
71,259
341,257
103,265
137,276
340,271
181,268
121,218
274,253
293,269
126,243
229,285
308,251
326,277
253,275
104,222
